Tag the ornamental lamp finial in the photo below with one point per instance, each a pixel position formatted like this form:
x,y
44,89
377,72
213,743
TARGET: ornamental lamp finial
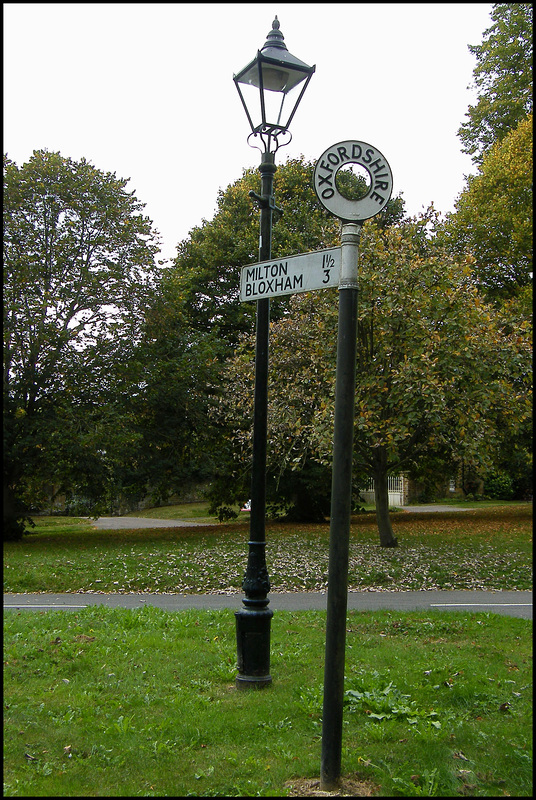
x,y
275,38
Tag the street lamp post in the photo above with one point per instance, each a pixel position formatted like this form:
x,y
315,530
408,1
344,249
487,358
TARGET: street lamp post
x,y
274,84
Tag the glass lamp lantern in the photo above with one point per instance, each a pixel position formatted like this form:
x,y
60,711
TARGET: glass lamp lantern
x,y
272,86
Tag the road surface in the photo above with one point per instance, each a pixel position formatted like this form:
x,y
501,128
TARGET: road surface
x,y
121,523
514,604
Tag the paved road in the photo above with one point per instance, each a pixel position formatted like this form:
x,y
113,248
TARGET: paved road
x,y
514,604
121,523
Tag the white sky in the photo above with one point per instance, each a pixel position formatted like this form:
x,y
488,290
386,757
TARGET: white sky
x,y
145,90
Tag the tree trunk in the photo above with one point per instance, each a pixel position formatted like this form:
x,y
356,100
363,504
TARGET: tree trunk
x,y
381,495
13,520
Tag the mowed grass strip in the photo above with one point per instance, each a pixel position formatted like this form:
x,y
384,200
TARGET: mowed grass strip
x,y
488,549
115,702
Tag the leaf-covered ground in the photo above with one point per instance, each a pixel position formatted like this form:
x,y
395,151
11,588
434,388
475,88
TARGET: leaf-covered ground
x,y
487,550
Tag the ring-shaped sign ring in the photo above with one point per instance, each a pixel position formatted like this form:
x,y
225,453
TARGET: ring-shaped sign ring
x,y
367,156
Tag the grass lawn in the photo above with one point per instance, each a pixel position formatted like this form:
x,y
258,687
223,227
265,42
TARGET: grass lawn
x,y
108,702
187,511
490,548
116,702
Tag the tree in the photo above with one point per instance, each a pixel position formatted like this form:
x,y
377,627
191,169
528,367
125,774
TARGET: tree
x,y
205,281
171,406
79,269
503,77
493,218
437,375
206,272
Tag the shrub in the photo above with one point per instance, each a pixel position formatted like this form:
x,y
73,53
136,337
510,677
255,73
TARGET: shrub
x,y
499,486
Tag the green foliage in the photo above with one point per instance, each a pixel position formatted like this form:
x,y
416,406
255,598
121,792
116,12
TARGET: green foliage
x,y
302,489
499,486
438,375
492,229
171,407
206,271
380,701
493,218
503,77
15,526
79,268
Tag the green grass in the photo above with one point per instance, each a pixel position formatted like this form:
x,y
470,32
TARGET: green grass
x,y
460,502
198,512
109,702
138,703
489,548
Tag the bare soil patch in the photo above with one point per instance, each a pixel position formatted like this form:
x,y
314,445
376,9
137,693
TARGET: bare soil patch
x,y
349,787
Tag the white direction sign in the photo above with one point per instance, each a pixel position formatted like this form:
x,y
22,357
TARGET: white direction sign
x,y
325,180
301,273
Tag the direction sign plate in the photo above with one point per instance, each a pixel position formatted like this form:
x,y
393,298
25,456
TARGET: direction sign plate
x,y
353,152
305,272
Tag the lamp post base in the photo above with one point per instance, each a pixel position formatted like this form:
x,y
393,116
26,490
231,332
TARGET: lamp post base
x,y
253,647
252,682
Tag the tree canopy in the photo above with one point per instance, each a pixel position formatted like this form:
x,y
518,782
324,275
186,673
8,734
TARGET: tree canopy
x,y
493,218
205,277
122,377
503,77
79,269
437,374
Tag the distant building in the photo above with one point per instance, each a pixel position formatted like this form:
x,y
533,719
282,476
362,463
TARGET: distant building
x,y
397,486
403,491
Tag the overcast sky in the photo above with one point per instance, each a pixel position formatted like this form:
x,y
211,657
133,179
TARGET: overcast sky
x,y
145,90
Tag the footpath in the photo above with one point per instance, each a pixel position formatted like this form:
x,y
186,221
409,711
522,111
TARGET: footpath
x,y
514,604
123,523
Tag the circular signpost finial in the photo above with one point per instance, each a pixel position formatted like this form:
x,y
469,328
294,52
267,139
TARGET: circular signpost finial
x,y
367,156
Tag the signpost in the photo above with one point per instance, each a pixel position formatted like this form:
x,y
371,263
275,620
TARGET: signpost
x,y
352,213
320,270
366,156
301,273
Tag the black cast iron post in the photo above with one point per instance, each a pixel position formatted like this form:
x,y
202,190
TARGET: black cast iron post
x,y
273,75
253,621
341,493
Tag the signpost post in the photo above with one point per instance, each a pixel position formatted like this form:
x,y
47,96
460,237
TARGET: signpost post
x,y
341,495
352,213
318,270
